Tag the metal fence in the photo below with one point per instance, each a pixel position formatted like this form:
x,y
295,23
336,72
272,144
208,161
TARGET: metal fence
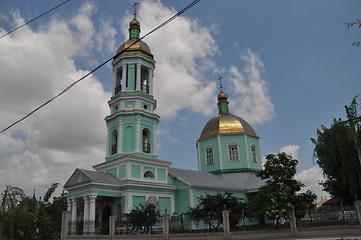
x,y
184,224
124,227
87,228
327,217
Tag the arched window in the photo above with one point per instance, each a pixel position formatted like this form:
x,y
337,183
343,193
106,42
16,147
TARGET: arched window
x,y
146,140
254,154
233,152
144,75
209,156
118,79
148,174
114,141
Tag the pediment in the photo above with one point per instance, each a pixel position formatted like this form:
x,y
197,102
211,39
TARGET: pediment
x,y
77,178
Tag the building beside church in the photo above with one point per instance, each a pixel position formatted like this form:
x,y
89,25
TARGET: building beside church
x,y
228,150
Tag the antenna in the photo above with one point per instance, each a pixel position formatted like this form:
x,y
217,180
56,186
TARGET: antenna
x,y
134,5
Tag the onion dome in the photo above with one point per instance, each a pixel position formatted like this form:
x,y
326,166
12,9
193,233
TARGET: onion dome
x,y
138,48
226,123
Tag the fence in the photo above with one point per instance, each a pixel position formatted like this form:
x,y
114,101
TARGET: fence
x,y
298,223
327,217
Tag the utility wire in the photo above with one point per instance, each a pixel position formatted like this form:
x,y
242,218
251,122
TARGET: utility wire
x,y
35,18
101,65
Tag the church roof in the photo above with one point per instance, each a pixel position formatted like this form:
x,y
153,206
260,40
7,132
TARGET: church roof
x,y
82,176
247,181
202,179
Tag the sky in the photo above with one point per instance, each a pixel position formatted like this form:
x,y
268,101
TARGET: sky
x,y
288,67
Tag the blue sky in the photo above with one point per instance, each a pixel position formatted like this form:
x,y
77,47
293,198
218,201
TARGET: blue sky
x,y
308,66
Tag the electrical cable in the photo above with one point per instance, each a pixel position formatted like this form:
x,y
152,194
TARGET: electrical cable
x,y
35,18
101,65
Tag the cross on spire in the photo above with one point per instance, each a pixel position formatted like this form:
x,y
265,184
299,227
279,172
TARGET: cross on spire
x,y
134,5
220,83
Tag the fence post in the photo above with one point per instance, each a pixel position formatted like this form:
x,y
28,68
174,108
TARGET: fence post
x,y
292,217
225,215
357,204
111,226
64,225
166,225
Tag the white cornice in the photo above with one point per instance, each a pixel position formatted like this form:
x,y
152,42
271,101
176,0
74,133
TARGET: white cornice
x,y
125,159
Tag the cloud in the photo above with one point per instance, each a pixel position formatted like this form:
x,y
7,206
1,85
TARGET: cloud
x,y
251,99
68,133
311,178
182,50
291,150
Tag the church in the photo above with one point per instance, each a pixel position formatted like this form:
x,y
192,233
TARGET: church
x,y
228,150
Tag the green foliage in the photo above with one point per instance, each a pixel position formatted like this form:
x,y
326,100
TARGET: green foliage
x,y
209,210
279,194
335,151
143,217
25,218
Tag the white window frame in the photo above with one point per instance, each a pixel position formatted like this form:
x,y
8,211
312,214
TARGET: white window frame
x,y
254,153
233,155
207,162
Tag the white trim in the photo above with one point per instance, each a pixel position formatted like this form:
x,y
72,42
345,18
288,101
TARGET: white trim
x,y
120,137
86,184
229,155
137,135
141,60
247,154
137,77
199,157
220,152
191,203
205,155
130,160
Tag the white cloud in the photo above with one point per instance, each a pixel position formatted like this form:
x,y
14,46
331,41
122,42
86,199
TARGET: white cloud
x,y
182,50
291,150
311,178
251,100
68,133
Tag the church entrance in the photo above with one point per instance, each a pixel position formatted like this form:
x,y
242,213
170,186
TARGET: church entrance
x,y
105,220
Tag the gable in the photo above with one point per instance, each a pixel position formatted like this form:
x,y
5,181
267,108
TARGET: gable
x,y
76,178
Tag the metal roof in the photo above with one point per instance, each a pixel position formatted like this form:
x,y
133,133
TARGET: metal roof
x,y
92,177
247,181
202,179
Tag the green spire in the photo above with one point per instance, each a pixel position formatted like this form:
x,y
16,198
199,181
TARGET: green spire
x,y
222,103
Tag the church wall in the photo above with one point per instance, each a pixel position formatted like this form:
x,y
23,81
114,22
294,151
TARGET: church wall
x,y
131,77
182,199
197,193
213,142
258,163
240,141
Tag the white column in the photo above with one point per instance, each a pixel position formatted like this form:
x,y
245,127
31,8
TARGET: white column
x,y
137,80
137,135
73,215
92,213
220,152
68,201
124,75
107,150
86,215
153,143
247,154
150,80
120,137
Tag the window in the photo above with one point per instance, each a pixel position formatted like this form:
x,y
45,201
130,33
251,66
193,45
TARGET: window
x,y
118,85
233,152
114,142
144,75
209,156
146,140
254,155
148,174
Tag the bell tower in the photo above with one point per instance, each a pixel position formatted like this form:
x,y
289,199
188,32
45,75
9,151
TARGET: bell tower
x,y
132,123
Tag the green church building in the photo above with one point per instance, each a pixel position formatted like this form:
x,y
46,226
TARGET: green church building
x,y
228,151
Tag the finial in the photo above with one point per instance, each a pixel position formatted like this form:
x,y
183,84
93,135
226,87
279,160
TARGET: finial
x,y
220,83
135,7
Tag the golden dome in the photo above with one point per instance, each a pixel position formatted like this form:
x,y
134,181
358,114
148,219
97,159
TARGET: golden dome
x,y
138,48
227,124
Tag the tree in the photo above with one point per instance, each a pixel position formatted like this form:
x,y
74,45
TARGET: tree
x,y
306,201
357,23
25,218
279,193
209,210
336,154
143,217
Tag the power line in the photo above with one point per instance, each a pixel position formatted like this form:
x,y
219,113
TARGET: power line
x,y
101,65
35,18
